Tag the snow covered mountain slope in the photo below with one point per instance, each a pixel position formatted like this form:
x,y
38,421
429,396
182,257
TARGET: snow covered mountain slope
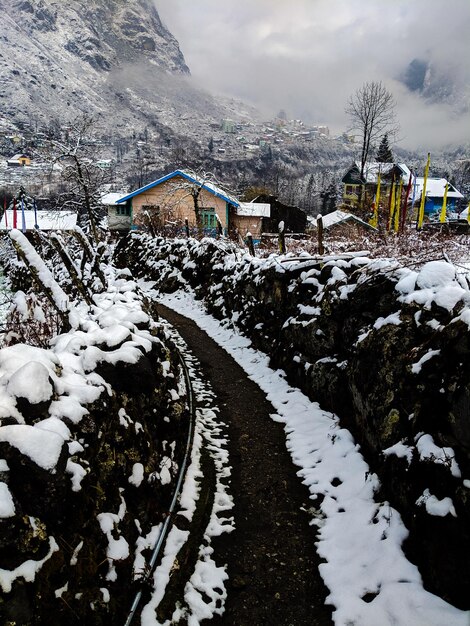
x,y
109,57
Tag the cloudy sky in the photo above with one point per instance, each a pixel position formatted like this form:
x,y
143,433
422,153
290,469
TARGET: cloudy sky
x,y
309,56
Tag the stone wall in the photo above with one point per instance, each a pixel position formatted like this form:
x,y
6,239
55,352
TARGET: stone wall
x,y
90,433
385,347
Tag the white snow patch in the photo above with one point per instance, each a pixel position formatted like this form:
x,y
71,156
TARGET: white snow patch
x,y
434,506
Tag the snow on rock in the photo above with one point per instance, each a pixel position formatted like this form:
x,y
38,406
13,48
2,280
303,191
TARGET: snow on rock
x,y
137,475
416,367
434,506
27,570
20,383
435,274
68,404
43,447
429,451
7,506
401,451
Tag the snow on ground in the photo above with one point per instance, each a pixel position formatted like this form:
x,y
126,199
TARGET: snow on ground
x,y
205,592
370,580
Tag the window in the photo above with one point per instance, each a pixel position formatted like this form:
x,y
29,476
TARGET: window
x,y
349,190
123,209
208,218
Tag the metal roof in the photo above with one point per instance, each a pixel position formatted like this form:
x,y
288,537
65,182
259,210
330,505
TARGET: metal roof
x,y
208,186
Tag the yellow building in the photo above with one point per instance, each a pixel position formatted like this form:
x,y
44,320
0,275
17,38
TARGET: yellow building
x,y
19,160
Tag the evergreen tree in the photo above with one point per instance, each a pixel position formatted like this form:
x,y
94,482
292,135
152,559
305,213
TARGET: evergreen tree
x,y
210,145
384,154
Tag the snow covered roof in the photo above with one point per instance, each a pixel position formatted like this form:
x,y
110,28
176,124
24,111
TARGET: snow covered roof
x,y
435,188
254,209
111,198
337,217
192,178
372,169
18,156
46,220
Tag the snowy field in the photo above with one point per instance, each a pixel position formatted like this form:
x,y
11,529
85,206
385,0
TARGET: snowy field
x,y
370,581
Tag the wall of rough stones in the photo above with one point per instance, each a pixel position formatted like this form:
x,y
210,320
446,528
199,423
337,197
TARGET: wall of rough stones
x,y
89,454
385,347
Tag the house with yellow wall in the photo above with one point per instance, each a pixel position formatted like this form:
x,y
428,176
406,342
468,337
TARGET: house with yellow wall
x,y
357,187
19,160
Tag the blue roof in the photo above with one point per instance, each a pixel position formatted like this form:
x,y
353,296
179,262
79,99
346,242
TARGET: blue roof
x,y
192,178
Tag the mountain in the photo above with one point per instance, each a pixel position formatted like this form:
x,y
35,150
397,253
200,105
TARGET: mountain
x,y
112,58
439,82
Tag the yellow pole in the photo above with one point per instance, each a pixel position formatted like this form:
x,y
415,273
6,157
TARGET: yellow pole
x,y
423,193
442,217
392,206
398,206
468,213
374,221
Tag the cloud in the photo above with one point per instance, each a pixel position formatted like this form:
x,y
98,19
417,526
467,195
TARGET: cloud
x,y
308,56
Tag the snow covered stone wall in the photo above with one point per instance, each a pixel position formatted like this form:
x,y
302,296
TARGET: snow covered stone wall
x,y
89,429
385,347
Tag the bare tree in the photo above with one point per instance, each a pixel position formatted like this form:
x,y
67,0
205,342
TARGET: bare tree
x,y
76,155
371,110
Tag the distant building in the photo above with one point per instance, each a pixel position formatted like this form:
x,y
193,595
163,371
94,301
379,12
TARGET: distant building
x,y
228,126
19,160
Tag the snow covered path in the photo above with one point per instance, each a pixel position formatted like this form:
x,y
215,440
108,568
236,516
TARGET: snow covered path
x,y
369,579
271,558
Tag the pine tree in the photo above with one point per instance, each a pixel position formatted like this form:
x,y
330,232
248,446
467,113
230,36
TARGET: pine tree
x,y
384,154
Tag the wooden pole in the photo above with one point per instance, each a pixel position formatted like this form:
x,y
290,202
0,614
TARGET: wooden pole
x,y
282,238
321,249
250,244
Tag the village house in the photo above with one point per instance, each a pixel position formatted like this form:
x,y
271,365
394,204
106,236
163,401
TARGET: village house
x,y
250,218
172,199
118,215
341,222
435,190
169,201
357,188
19,160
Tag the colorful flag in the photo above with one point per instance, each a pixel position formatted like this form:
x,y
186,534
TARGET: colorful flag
x,y
23,217
398,206
405,204
423,194
392,206
442,217
15,217
374,220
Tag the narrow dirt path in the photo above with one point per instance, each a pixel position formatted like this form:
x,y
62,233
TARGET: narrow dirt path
x,y
272,563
